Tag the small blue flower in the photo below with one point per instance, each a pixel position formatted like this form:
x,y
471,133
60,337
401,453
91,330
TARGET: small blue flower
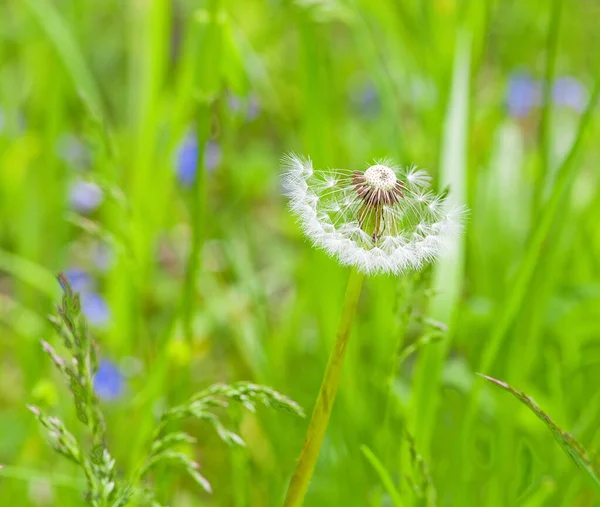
x,y
102,255
73,151
79,280
365,98
569,92
85,197
523,94
369,100
108,382
250,106
187,159
253,108
234,102
212,155
95,309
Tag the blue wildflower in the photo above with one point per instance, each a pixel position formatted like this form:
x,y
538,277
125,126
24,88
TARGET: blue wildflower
x,y
212,155
79,280
85,197
523,94
187,159
249,105
569,92
95,309
369,100
365,99
253,108
73,151
234,102
102,255
108,382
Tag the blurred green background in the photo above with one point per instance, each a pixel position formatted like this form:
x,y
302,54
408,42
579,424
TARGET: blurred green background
x,y
139,153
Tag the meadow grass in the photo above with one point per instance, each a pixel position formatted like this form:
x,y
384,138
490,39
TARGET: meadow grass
x,y
210,280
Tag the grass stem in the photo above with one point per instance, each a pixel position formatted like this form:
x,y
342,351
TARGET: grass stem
x,y
322,411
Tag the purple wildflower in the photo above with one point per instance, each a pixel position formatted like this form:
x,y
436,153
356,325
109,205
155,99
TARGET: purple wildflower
x,y
365,99
102,255
73,151
253,108
95,309
523,94
187,159
108,382
212,155
569,92
234,102
85,197
250,106
79,280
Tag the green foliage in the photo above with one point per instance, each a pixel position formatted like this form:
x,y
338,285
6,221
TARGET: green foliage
x,y
212,282
572,447
104,489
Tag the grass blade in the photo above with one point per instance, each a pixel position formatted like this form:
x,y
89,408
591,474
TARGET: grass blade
x,y
571,446
30,273
449,271
566,175
383,475
61,38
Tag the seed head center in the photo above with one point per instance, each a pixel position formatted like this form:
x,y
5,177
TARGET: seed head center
x,y
380,177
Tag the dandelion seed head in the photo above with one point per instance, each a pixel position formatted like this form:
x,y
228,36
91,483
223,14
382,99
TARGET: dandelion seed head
x,y
417,177
382,220
380,177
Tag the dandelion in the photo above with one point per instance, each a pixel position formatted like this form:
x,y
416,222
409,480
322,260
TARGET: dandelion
x,y
108,382
381,220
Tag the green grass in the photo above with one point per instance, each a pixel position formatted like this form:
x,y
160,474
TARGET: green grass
x,y
215,283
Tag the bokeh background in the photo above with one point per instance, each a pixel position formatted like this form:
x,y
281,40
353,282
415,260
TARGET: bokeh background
x,y
139,153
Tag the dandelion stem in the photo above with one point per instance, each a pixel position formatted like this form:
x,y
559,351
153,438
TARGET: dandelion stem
x,y
322,410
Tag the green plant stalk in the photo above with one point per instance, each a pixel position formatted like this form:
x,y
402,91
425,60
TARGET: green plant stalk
x,y
543,168
322,411
198,211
